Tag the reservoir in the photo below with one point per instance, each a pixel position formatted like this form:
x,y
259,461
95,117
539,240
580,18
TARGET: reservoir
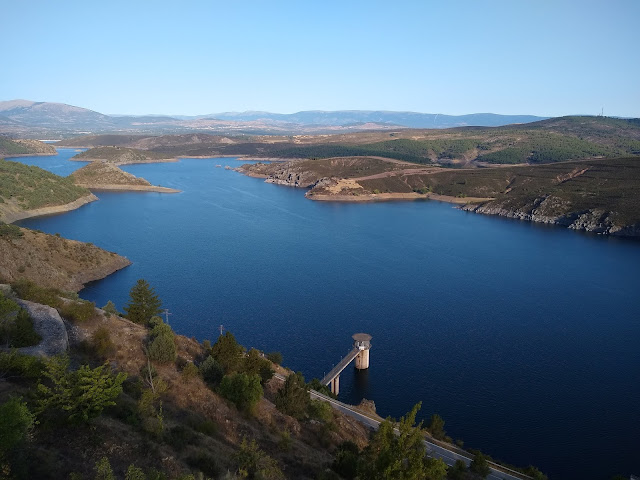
x,y
524,338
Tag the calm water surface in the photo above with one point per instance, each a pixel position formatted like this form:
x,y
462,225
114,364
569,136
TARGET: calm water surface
x,y
526,339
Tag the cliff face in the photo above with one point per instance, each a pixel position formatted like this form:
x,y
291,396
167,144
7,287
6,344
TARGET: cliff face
x,y
52,261
541,210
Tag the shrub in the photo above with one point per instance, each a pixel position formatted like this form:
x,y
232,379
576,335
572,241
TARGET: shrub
x,y
24,335
110,309
10,231
76,396
228,353
479,465
204,462
189,371
293,398
243,390
285,441
320,410
211,371
346,460
180,436
254,463
135,473
436,426
103,470
27,290
101,342
16,421
458,470
77,311
162,349
162,345
255,364
14,364
275,357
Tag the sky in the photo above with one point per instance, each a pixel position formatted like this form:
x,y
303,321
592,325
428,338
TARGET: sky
x,y
539,57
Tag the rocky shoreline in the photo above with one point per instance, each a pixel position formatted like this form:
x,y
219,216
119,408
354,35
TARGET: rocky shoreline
x,y
592,220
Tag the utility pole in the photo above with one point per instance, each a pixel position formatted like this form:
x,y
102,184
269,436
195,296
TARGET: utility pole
x,y
166,315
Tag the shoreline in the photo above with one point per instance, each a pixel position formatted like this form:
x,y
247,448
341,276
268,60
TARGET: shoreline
x,y
386,197
20,155
39,212
129,188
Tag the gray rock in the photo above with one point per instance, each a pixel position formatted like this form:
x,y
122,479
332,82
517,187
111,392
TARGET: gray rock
x,y
48,324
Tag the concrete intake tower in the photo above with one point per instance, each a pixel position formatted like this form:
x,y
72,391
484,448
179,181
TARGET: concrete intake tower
x,y
360,352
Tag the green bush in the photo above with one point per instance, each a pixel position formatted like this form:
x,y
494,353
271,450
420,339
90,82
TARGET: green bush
x,y
77,311
10,231
204,462
479,465
254,463
275,357
101,342
436,427
319,410
162,345
16,421
293,398
135,473
346,460
76,396
255,364
27,290
228,353
110,309
189,371
243,390
104,470
211,371
24,335
14,364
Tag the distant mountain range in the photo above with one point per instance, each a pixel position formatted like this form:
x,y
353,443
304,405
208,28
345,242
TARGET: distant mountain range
x,y
25,118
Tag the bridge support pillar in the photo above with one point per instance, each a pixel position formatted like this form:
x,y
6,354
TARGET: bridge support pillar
x,y
335,385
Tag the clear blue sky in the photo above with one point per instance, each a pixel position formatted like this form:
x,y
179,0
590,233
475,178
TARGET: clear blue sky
x,y
544,57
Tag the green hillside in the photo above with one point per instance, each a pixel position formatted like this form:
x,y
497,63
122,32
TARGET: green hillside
x,y
32,187
548,141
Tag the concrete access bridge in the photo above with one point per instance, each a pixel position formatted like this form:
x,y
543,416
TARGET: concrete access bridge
x,y
360,352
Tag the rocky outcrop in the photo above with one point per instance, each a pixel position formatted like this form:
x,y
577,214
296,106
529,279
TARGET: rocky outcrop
x,y
48,324
541,211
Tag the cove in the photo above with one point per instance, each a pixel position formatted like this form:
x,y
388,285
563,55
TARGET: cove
x,y
524,338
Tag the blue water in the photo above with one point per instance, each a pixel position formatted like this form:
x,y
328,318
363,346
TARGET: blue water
x,y
526,339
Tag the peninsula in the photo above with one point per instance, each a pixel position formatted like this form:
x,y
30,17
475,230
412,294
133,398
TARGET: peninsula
x,y
101,175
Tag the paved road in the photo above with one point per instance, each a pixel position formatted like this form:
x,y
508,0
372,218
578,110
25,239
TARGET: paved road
x,y
433,449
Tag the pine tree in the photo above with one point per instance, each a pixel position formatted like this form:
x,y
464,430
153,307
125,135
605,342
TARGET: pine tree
x,y
144,303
